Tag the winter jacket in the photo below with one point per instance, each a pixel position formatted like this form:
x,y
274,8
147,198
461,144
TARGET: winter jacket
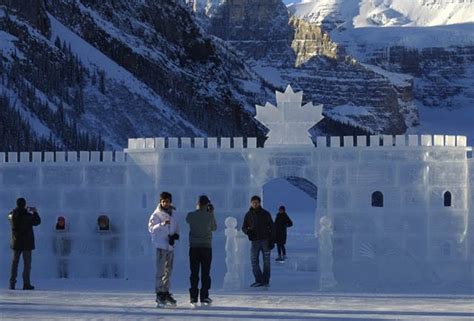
x,y
160,231
22,222
201,225
258,225
282,222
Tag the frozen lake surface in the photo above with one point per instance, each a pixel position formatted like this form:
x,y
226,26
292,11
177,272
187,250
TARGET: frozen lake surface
x,y
121,300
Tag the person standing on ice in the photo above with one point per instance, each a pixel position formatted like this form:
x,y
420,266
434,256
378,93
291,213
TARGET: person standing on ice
x,y
202,223
164,230
282,222
258,225
22,220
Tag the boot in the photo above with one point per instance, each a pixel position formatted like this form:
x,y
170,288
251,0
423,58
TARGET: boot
x,y
28,287
12,285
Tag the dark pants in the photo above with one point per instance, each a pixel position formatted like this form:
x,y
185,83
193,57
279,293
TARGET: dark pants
x,y
257,247
26,266
281,250
200,258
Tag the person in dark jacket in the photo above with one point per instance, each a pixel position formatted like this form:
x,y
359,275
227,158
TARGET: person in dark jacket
x,y
258,225
202,223
282,222
22,220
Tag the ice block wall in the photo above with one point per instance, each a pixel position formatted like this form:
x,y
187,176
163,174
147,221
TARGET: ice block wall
x,y
386,195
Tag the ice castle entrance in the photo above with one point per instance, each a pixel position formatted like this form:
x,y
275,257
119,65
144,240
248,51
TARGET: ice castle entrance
x,y
299,196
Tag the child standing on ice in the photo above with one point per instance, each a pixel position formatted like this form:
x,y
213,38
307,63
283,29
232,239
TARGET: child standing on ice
x,y
282,222
164,229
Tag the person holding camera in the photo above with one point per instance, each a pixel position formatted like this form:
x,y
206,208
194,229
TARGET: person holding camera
x,y
258,225
164,229
22,220
202,223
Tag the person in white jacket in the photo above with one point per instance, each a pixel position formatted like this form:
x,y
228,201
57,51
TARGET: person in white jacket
x,y
164,230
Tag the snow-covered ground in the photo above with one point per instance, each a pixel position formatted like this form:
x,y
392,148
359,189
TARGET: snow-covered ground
x,y
119,300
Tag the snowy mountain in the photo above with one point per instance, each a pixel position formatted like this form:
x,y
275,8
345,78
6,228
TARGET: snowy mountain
x,y
283,49
83,74
80,74
428,42
364,13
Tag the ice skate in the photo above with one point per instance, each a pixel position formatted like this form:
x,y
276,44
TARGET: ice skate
x,y
206,302
161,300
168,297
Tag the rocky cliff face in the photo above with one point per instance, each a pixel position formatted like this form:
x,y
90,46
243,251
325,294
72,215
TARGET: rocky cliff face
x,y
425,49
286,50
119,69
443,76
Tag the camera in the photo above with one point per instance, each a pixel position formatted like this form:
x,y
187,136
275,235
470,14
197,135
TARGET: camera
x,y
210,207
172,238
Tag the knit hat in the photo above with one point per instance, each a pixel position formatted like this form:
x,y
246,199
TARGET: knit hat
x,y
21,202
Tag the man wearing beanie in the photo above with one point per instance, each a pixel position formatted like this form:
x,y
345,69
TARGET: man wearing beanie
x,y
22,220
202,223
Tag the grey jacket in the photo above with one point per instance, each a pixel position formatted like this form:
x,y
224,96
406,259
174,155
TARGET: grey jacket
x,y
201,225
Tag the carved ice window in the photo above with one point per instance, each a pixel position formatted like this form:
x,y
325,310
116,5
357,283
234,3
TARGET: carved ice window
x,y
447,199
377,199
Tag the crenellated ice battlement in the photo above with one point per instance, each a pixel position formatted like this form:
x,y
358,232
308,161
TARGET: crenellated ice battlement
x,y
234,143
321,142
63,157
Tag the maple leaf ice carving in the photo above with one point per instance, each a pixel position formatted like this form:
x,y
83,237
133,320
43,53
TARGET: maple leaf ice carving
x,y
289,123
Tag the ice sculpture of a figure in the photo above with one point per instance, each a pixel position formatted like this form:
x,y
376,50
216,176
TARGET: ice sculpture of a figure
x,y
62,247
326,279
107,248
232,278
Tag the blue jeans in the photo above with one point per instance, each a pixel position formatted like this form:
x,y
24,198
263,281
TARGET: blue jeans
x,y
257,247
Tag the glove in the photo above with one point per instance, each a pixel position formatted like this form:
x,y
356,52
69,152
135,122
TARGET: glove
x,y
172,238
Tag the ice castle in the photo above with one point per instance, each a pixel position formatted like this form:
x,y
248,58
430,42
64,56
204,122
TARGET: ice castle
x,y
400,205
